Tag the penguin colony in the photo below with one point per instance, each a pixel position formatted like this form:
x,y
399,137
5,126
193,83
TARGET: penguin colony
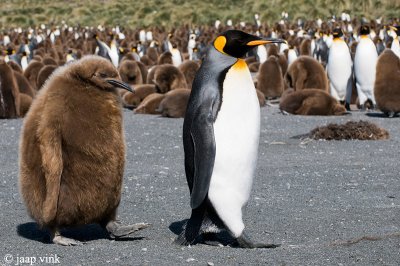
x,y
310,69
345,54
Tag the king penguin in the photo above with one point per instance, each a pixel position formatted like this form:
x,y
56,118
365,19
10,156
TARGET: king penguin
x,y
221,140
340,69
395,43
365,60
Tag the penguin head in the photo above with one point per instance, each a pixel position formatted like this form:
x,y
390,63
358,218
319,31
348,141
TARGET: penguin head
x,y
364,30
395,29
98,72
237,43
337,33
10,51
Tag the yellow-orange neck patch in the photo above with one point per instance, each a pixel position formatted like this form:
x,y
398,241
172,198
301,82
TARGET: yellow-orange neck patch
x,y
240,64
219,43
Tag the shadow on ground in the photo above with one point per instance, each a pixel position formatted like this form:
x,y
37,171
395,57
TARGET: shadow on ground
x,y
83,233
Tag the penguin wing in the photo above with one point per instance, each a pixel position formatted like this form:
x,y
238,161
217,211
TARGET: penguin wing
x,y
202,135
52,163
103,50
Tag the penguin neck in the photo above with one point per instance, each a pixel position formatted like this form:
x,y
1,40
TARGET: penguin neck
x,y
223,60
240,64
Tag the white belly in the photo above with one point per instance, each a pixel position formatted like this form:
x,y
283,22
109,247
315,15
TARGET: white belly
x,y
339,68
292,56
176,57
365,64
396,46
262,53
237,131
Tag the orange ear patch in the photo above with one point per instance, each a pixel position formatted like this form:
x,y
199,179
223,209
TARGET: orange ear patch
x,y
219,43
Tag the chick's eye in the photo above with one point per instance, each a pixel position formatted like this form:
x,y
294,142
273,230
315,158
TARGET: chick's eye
x,y
102,75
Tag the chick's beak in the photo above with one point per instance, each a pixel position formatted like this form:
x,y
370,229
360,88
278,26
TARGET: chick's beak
x,y
120,84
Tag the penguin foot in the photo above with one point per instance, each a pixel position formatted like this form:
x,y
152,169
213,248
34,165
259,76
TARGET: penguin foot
x,y
117,230
284,112
64,241
347,106
185,239
244,241
129,106
390,114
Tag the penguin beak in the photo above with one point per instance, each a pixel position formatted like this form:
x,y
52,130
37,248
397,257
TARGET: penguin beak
x,y
120,84
265,41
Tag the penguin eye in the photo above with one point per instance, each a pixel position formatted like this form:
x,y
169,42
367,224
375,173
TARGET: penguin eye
x,y
102,75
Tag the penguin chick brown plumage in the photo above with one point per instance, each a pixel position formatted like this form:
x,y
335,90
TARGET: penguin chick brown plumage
x,y
221,139
269,78
387,83
168,77
9,93
72,150
306,72
130,72
310,102
174,103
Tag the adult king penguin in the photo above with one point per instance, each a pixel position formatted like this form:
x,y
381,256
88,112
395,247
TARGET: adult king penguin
x,y
365,61
395,43
221,136
340,69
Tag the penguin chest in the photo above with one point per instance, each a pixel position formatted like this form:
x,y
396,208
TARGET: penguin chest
x,y
236,132
396,46
365,64
176,57
339,66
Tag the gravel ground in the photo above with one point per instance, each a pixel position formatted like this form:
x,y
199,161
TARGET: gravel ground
x,y
326,202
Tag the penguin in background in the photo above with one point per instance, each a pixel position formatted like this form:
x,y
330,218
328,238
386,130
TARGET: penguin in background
x,y
70,56
380,46
191,45
269,78
221,140
292,55
176,56
321,50
261,54
305,47
166,44
12,56
365,60
387,83
395,43
9,93
110,52
340,69
24,61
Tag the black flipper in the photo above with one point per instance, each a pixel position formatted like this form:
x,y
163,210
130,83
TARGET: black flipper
x,y
202,134
349,90
103,49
